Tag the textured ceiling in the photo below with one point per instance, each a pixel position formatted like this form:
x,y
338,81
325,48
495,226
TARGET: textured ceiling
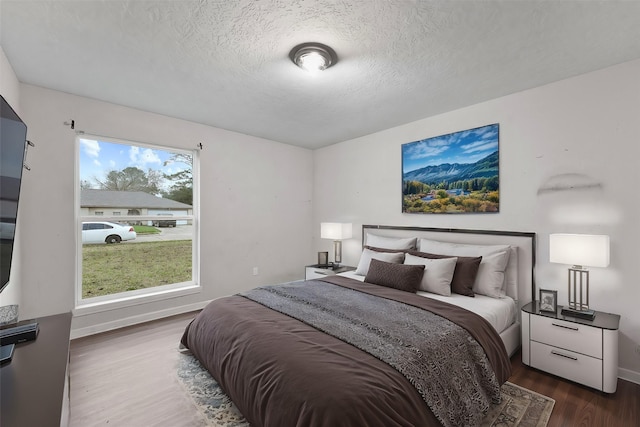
x,y
225,63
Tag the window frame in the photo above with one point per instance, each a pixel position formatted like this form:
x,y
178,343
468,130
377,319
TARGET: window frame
x,y
83,306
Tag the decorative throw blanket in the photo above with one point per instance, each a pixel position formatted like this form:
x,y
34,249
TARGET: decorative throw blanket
x,y
443,362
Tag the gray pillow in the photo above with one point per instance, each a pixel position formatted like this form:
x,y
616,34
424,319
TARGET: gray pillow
x,y
398,276
404,244
368,255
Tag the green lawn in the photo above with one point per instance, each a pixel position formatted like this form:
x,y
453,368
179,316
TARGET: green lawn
x,y
145,229
110,269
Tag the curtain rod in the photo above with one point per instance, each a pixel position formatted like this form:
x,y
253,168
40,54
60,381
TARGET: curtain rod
x,y
72,124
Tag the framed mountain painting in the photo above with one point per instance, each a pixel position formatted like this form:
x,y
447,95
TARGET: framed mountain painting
x,y
453,173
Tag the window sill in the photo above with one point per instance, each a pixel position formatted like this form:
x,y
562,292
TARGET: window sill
x,y
88,307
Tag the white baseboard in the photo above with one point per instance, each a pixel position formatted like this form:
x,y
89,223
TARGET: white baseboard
x,y
626,374
134,320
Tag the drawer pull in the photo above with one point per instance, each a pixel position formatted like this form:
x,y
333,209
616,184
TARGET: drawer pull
x,y
324,273
566,327
563,355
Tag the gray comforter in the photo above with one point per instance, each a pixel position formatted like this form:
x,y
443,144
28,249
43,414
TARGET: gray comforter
x,y
443,362
341,364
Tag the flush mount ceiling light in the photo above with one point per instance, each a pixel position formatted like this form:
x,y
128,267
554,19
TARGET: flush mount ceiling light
x,y
313,57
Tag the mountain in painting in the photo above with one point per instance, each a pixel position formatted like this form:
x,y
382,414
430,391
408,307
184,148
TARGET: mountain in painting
x,y
452,172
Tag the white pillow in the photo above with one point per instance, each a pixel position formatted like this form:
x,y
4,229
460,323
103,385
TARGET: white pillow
x,y
437,273
461,249
368,255
391,242
491,275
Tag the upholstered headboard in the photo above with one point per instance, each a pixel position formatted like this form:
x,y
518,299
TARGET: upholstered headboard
x,y
522,290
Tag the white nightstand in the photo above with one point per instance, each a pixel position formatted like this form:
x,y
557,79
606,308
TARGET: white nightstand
x,y
584,351
315,271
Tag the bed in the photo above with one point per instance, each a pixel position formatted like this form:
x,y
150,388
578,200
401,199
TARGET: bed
x,y
354,350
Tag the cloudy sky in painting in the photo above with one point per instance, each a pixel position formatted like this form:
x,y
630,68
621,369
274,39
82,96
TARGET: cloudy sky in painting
x,y
467,146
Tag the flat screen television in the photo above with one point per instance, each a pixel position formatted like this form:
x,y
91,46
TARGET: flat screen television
x,y
13,140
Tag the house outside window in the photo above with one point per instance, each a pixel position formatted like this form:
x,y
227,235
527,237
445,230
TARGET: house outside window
x,y
150,251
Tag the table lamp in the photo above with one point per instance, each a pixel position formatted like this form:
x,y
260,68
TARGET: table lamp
x,y
337,232
580,250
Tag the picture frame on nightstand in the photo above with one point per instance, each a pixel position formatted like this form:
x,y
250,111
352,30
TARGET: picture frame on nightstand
x,y
548,300
323,259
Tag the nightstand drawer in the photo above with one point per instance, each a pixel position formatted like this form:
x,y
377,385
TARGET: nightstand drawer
x,y
567,364
314,273
568,335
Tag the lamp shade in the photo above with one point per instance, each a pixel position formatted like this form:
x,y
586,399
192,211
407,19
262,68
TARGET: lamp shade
x,y
587,250
335,230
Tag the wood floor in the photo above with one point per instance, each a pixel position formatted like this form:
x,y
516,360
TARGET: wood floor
x,y
127,378
580,406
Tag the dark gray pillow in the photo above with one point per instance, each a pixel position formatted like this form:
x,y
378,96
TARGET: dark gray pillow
x,y
398,276
463,276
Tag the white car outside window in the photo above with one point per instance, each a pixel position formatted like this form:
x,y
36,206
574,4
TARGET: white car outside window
x,y
106,232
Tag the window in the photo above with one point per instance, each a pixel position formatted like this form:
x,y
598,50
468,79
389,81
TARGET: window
x,y
152,249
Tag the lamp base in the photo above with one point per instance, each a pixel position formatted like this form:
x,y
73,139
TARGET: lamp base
x,y
582,314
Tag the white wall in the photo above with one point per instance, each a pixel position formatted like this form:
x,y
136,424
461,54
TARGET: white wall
x,y
586,125
9,84
255,204
10,90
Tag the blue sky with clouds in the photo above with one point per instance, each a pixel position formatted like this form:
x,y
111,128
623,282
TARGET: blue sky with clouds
x,y
467,146
97,158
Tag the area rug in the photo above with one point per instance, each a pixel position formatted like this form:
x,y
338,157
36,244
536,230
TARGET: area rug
x,y
520,407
